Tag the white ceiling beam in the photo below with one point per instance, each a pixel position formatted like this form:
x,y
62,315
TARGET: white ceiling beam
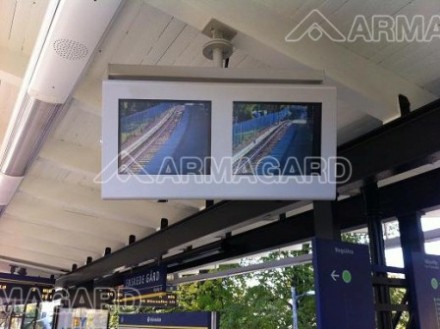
x,y
73,157
111,233
49,247
86,161
89,94
31,269
83,242
259,24
88,201
12,66
17,252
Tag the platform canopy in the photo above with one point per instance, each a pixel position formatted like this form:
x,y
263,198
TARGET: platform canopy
x,y
57,218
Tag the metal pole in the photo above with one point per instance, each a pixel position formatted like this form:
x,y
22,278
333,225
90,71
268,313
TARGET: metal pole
x,y
217,57
412,240
377,250
294,309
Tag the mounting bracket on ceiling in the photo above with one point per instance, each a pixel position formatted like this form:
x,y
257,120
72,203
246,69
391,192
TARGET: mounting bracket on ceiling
x,y
220,47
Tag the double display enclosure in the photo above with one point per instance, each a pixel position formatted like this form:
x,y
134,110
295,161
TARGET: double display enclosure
x,y
218,140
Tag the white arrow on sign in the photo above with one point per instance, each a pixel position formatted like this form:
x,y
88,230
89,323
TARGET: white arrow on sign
x,y
334,275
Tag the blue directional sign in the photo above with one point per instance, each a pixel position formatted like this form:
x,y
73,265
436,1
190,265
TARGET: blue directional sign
x,y
199,320
343,285
151,281
426,271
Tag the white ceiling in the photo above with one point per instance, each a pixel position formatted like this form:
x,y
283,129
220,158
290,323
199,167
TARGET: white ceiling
x,y
57,218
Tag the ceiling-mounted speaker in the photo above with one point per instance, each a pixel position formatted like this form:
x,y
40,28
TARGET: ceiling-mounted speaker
x,y
76,30
69,34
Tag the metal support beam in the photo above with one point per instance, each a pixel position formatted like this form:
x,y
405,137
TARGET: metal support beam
x,y
390,149
300,228
221,215
326,224
412,240
372,210
377,251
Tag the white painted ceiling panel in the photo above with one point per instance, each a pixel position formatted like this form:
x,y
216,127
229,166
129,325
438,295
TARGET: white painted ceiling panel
x,y
19,23
178,46
88,201
88,243
32,256
89,135
45,246
8,94
142,35
118,31
7,11
163,42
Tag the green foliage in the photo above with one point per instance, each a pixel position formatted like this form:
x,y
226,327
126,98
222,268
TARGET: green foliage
x,y
259,300
397,296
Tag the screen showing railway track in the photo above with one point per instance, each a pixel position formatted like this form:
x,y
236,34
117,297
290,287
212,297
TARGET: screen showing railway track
x,y
218,140
276,138
158,137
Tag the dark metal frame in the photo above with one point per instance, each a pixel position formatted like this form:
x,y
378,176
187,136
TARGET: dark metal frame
x,y
390,149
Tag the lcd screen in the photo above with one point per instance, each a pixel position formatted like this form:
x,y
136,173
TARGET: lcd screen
x,y
156,136
276,138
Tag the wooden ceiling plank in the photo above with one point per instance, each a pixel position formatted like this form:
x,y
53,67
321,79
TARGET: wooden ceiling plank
x,y
73,157
168,36
49,247
37,212
12,66
7,11
36,17
88,201
193,50
35,257
178,46
114,37
67,237
341,64
141,37
20,25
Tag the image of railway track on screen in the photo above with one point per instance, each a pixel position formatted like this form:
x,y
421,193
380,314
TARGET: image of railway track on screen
x,y
159,137
276,138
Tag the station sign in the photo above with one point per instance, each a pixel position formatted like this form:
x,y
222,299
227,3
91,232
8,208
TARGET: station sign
x,y
189,320
426,271
153,280
168,300
343,285
25,288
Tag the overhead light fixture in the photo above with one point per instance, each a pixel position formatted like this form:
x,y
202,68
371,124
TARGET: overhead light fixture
x,y
70,32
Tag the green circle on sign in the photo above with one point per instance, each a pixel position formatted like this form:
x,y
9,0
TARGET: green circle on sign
x,y
434,283
346,276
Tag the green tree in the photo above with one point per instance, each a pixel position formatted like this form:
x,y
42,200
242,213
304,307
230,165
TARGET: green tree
x,y
258,300
279,282
262,299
